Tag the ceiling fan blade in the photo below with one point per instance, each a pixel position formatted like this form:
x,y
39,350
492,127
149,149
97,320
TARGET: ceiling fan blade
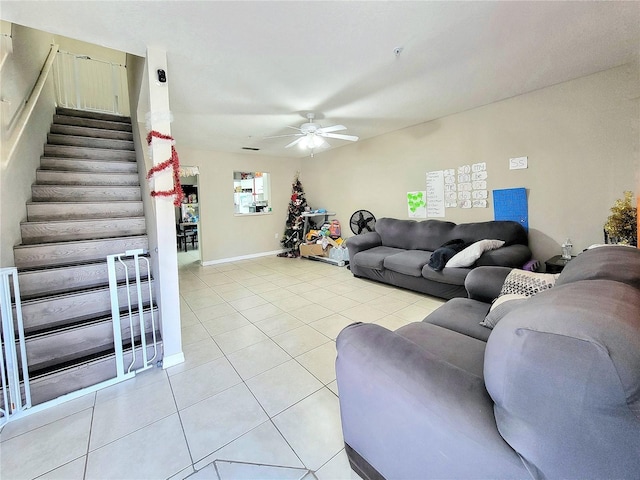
x,y
295,128
333,128
295,142
287,135
351,138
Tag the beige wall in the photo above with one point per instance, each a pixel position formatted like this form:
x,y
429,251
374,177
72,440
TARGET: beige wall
x,y
222,234
19,74
581,138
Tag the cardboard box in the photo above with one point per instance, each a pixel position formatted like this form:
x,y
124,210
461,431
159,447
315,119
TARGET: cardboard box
x,y
315,249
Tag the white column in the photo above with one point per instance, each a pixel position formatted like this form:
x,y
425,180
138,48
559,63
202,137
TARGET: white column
x,y
166,278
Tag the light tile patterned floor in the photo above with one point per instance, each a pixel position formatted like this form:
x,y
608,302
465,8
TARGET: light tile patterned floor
x,y
256,397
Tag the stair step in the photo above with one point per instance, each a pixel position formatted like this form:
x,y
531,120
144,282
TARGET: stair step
x,y
66,279
90,142
65,230
90,132
72,344
57,311
42,211
49,385
73,253
87,152
58,177
91,123
87,165
80,193
92,115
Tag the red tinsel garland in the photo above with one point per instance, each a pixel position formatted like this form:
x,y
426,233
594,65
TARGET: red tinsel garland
x,y
174,162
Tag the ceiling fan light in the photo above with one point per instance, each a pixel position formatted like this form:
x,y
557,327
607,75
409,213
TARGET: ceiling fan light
x,y
305,142
317,141
311,141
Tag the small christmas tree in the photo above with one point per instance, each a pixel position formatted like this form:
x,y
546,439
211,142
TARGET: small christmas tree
x,y
293,230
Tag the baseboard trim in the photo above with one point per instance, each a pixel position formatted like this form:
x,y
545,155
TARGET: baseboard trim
x,y
172,360
243,257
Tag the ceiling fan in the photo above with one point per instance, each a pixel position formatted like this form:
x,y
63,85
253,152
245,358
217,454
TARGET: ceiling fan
x,y
311,135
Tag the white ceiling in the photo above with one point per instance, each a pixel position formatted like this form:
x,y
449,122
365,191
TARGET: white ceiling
x,y
242,70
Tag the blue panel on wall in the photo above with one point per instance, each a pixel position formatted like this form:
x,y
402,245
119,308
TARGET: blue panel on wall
x,y
511,204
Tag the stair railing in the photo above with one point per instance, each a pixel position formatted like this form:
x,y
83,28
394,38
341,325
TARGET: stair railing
x,y
19,123
144,345
84,83
12,347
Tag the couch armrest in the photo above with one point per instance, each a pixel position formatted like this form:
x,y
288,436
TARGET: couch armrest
x,y
362,242
484,283
410,414
564,372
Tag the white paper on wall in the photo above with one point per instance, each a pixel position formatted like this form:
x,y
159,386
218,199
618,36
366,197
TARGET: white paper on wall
x,y
435,194
450,199
479,195
479,167
479,204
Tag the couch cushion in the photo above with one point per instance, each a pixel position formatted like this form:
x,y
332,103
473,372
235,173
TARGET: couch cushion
x,y
374,257
452,276
509,231
609,262
462,315
409,262
431,234
411,235
459,350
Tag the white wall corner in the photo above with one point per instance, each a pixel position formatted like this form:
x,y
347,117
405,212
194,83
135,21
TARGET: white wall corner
x,y
169,361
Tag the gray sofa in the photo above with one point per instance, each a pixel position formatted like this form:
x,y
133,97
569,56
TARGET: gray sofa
x,y
399,251
553,391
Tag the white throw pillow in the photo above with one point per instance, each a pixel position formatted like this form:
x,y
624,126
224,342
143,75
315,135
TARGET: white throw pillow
x,y
523,282
469,255
518,286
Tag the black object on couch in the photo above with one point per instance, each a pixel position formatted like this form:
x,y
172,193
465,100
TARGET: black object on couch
x,y
411,254
553,391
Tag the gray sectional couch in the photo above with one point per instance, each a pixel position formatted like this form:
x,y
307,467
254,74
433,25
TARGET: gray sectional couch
x,y
399,251
553,391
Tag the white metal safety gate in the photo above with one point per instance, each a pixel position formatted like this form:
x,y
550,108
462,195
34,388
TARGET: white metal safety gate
x,y
16,394
84,83
137,353
147,341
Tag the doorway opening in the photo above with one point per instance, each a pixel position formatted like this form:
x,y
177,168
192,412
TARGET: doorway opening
x,y
188,219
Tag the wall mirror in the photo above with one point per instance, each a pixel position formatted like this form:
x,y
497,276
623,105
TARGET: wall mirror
x,y
251,193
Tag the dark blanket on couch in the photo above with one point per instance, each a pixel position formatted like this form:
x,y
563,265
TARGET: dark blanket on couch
x,y
441,255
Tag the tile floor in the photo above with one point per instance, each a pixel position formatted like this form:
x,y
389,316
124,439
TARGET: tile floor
x,y
256,397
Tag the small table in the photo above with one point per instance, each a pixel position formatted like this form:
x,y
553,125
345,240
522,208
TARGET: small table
x,y
187,231
556,264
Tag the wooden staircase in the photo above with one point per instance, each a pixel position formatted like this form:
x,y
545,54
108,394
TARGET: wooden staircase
x,y
86,204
